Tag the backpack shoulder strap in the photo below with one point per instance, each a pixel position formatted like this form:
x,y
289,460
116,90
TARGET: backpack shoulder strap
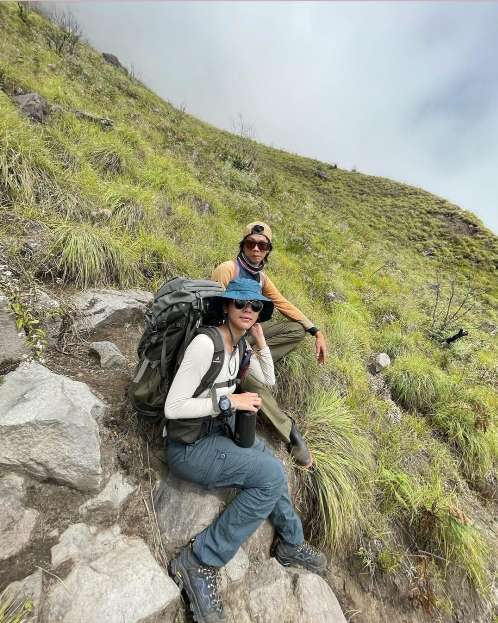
x,y
217,362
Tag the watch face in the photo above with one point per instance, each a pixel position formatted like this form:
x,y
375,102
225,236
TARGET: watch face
x,y
224,403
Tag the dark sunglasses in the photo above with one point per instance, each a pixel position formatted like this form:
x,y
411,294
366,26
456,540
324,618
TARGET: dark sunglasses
x,y
252,244
256,306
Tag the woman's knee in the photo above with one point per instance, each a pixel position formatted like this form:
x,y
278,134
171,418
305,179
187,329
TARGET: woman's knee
x,y
271,474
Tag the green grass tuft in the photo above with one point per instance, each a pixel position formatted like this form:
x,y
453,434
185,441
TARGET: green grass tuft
x,y
13,610
417,384
338,485
468,420
88,256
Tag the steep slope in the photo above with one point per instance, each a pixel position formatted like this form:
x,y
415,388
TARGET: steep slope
x,y
117,187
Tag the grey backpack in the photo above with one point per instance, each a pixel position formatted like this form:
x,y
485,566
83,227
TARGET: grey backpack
x,y
181,309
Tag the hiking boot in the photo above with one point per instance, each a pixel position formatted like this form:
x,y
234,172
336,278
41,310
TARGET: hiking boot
x,y
200,582
298,448
303,555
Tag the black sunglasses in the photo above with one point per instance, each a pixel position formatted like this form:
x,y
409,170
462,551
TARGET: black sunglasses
x,y
256,306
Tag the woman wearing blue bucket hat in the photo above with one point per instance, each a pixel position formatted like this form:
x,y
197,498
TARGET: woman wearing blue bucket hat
x,y
212,459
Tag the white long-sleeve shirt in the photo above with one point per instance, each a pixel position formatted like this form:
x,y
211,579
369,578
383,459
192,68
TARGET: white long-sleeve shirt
x,y
197,359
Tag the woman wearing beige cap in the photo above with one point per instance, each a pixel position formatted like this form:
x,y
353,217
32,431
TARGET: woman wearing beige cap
x,y
281,336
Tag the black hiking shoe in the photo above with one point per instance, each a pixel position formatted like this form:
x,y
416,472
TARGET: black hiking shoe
x,y
303,555
298,448
200,582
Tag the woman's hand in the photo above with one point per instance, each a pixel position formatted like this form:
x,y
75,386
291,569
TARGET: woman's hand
x,y
257,332
248,401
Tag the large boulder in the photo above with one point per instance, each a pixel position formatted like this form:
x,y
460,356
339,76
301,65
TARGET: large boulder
x,y
114,578
48,427
12,344
99,309
183,510
16,522
272,593
33,106
112,59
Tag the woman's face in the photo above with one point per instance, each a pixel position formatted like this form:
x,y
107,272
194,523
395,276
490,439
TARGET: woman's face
x,y
242,319
256,248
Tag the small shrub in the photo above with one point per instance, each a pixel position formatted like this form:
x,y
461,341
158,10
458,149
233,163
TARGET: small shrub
x,y
63,35
416,383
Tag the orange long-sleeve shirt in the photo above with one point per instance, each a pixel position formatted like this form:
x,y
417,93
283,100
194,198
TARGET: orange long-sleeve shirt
x,y
227,271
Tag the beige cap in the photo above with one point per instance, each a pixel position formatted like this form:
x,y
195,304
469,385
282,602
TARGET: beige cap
x,y
265,231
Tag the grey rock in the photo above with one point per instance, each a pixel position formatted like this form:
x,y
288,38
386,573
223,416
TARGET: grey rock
x,y
105,308
269,592
30,248
322,175
48,427
28,590
316,600
82,543
428,252
104,122
33,106
12,345
16,522
235,570
112,59
394,414
49,311
107,504
203,207
489,327
258,545
388,318
109,354
381,361
183,510
334,297
273,593
114,578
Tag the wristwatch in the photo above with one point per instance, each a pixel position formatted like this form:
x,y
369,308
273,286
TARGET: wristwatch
x,y
312,331
225,406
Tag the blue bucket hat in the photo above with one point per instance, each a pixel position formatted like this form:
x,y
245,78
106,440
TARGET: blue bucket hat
x,y
248,290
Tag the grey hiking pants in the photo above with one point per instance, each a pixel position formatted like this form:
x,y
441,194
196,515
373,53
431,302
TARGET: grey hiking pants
x,y
216,461
282,336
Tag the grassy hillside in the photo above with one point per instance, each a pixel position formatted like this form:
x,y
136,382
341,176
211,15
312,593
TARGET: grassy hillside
x,y
380,266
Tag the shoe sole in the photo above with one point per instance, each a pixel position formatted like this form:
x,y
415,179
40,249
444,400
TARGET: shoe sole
x,y
180,578
321,571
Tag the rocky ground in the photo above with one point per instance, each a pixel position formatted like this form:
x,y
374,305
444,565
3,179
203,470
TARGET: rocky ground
x,y
91,514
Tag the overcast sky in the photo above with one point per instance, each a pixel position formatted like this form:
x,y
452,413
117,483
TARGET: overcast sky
x,y
406,90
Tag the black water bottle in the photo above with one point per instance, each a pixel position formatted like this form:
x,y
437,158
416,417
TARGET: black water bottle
x,y
245,428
